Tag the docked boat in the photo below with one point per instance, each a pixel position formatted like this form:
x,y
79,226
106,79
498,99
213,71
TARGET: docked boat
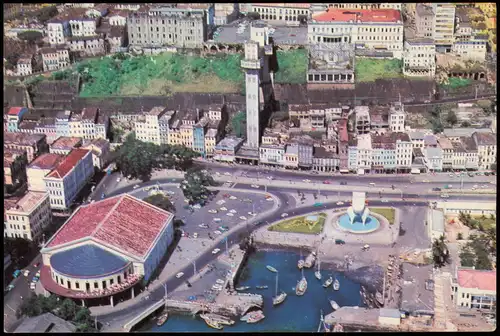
x,y
328,282
317,274
256,316
336,285
217,319
278,299
272,269
162,319
311,258
211,323
334,305
300,263
301,286
261,287
338,328
242,288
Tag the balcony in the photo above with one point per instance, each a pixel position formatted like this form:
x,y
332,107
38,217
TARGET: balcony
x,y
252,64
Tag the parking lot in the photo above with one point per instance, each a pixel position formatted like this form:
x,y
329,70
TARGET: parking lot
x,y
227,209
282,35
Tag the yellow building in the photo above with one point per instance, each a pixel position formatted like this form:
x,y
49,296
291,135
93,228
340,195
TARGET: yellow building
x,y
149,127
186,135
474,289
40,168
210,141
27,217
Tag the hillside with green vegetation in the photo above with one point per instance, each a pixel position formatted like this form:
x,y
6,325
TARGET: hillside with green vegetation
x,y
371,69
292,67
124,75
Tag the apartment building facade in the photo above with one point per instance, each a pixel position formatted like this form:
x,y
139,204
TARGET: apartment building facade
x,y
289,13
166,26
474,289
65,182
444,25
25,66
33,144
27,217
486,149
419,57
39,168
89,124
55,58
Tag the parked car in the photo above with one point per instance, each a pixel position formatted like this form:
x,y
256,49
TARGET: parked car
x,y
326,182
26,273
340,203
436,189
283,215
339,242
136,186
212,211
10,287
32,286
343,183
36,264
215,251
179,275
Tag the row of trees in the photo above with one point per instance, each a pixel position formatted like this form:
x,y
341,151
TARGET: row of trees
x,y
477,252
66,309
137,159
440,252
437,121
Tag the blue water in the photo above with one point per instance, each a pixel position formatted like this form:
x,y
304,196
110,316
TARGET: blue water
x,y
371,223
295,314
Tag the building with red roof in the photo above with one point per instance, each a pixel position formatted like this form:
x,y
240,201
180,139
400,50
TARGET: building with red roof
x,y
371,31
475,289
98,251
14,118
41,167
70,175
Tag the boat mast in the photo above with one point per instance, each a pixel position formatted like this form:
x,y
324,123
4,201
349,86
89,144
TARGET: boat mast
x,y
276,284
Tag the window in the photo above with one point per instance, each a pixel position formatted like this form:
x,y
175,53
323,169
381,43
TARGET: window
x,y
96,285
104,284
77,285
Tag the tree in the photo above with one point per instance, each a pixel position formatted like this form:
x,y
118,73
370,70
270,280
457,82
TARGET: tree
x,y
195,185
67,310
460,236
31,36
238,124
253,16
161,202
440,252
451,118
465,123
302,18
46,13
437,126
467,256
137,159
177,157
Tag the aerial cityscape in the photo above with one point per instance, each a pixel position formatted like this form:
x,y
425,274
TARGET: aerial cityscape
x,y
201,167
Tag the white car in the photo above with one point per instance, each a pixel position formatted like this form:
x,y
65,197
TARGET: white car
x,y
195,235
426,181
451,175
227,173
233,197
372,184
203,226
283,215
216,220
217,287
306,181
186,200
217,173
230,214
255,186
251,213
385,201
243,218
475,186
179,275
232,211
219,281
32,286
223,209
269,199
26,273
118,179
220,202
146,188
136,186
270,178
340,203
197,206
217,232
212,211
444,196
215,251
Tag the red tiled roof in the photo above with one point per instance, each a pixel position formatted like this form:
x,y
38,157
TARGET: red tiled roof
x,y
364,15
122,221
65,142
15,110
46,161
485,280
68,163
283,5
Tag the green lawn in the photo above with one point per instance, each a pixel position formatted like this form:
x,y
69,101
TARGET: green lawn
x,y
300,225
388,213
371,69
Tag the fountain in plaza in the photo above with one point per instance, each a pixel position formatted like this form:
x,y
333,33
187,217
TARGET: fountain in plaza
x,y
358,219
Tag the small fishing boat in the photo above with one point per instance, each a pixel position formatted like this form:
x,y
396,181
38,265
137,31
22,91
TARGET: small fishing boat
x,y
317,274
336,285
255,316
334,305
242,288
217,319
162,319
261,287
301,287
278,299
272,269
311,258
328,282
213,324
300,263
338,328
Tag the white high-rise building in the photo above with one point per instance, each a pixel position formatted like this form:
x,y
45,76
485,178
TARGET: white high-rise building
x,y
257,76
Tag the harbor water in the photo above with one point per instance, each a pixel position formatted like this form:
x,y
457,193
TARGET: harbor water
x,y
296,313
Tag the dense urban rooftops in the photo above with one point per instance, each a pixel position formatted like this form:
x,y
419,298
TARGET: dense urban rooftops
x,y
359,15
47,161
69,162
